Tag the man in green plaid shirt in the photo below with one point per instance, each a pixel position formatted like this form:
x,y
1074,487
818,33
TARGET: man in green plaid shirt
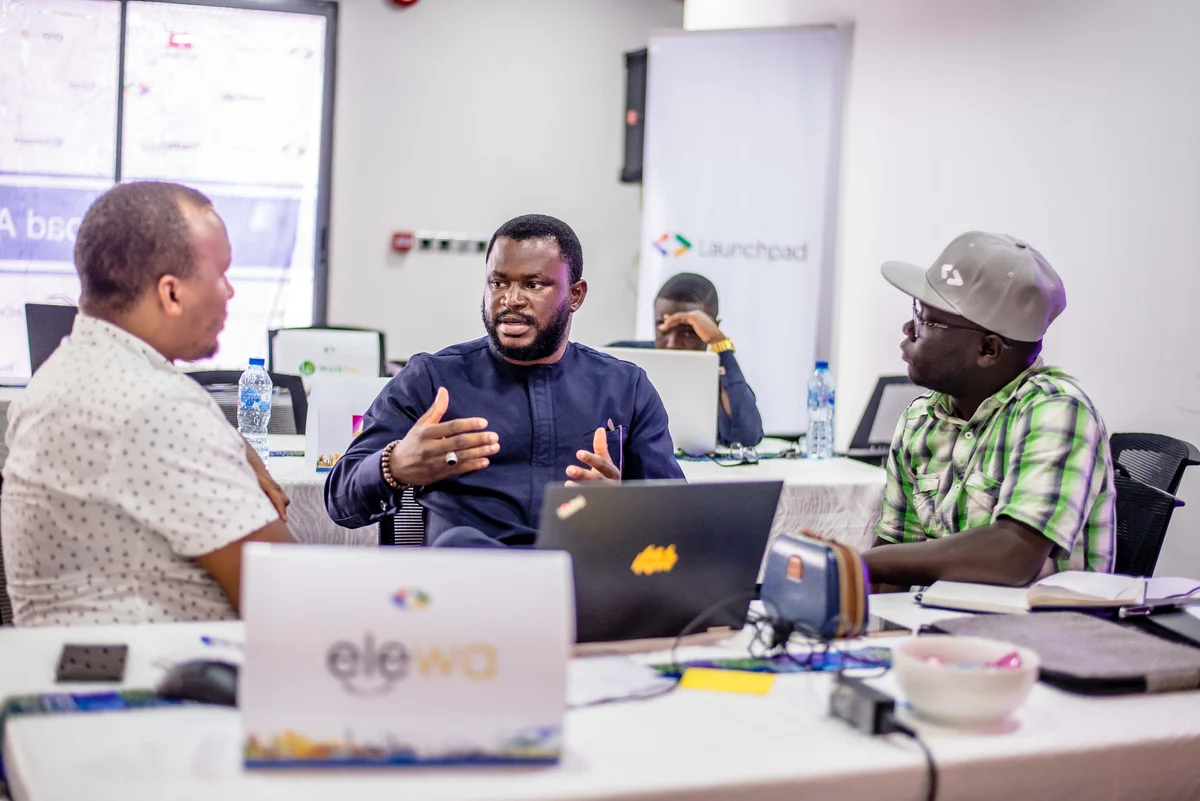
x,y
1005,451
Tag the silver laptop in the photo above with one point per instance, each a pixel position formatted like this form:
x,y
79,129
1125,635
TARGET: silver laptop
x,y
689,385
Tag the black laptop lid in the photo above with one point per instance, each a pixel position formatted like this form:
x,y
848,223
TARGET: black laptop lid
x,y
649,556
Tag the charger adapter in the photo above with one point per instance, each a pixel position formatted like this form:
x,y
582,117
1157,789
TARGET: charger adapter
x,y
867,709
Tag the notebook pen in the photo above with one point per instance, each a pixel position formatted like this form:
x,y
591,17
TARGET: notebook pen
x,y
620,462
220,642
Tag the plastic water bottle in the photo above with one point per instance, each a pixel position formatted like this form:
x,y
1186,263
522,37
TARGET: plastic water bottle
x,y
820,413
254,406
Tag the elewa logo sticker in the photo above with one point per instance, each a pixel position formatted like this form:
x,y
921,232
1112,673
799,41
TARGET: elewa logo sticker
x,y
410,599
669,245
373,668
655,559
307,368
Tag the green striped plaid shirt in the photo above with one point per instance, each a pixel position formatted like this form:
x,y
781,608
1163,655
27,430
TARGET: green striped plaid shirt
x,y
1036,452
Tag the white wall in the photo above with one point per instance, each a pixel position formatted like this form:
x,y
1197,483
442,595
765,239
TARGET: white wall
x,y
460,114
1071,123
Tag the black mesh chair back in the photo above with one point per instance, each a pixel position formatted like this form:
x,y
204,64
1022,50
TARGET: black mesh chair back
x,y
1143,514
406,528
1154,459
289,404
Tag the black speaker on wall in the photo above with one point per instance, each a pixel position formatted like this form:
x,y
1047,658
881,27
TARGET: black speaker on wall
x,y
635,116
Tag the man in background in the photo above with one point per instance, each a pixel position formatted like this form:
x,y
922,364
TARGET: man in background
x,y
1003,472
686,318
127,495
479,429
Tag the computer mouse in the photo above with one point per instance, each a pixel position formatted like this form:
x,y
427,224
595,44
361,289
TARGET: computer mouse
x,y
202,680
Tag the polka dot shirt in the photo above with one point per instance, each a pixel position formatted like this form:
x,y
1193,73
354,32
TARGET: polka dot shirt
x,y
121,470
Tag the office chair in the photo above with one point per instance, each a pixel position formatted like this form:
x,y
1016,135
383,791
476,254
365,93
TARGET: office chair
x,y
1154,459
873,437
1147,471
1143,514
289,404
631,343
406,528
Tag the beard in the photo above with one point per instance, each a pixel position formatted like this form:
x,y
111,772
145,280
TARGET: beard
x,y
545,341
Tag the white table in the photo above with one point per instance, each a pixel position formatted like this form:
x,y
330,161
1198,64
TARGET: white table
x,y
839,498
687,745
307,518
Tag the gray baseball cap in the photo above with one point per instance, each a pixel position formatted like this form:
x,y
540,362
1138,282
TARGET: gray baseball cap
x,y
994,280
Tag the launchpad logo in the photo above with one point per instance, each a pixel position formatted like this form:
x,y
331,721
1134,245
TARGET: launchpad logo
x,y
672,245
675,245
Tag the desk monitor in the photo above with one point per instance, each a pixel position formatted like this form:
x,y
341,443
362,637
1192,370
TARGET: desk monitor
x,y
689,384
47,326
892,395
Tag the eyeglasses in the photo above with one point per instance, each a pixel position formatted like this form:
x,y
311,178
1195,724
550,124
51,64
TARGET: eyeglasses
x,y
920,322
739,454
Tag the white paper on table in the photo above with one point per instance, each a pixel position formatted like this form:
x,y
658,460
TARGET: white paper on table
x,y
1163,588
596,679
1101,586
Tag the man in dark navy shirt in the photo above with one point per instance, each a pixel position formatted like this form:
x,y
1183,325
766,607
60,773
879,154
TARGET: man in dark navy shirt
x,y
479,429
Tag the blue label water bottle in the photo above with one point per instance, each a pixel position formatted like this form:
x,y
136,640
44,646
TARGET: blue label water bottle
x,y
820,413
254,406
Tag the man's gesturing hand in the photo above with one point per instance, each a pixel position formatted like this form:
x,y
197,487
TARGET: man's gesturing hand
x,y
602,466
421,457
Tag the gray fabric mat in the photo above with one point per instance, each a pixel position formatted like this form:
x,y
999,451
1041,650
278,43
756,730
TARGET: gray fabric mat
x,y
1090,650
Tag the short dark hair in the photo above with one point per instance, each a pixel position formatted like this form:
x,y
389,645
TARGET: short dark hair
x,y
542,226
132,236
691,288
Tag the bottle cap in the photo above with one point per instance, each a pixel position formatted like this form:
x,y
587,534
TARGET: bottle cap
x,y
258,362
820,365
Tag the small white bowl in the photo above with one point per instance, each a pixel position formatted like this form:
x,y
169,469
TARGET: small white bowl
x,y
949,693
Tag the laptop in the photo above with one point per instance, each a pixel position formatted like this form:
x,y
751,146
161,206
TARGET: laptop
x,y
47,325
689,384
873,437
650,556
402,655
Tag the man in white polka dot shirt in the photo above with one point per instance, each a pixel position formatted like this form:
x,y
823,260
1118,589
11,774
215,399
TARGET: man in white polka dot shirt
x,y
127,495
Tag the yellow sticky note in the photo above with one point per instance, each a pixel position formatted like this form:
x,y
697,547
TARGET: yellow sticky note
x,y
728,681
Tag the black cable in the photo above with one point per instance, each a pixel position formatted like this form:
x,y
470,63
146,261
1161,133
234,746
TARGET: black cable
x,y
676,673
900,728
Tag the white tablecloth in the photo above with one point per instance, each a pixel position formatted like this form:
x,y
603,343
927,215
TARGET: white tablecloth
x,y
687,745
307,517
839,498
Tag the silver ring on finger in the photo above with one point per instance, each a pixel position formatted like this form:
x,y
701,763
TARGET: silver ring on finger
x,y
452,459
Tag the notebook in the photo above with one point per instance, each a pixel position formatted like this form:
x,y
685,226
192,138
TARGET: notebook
x,y
1071,589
